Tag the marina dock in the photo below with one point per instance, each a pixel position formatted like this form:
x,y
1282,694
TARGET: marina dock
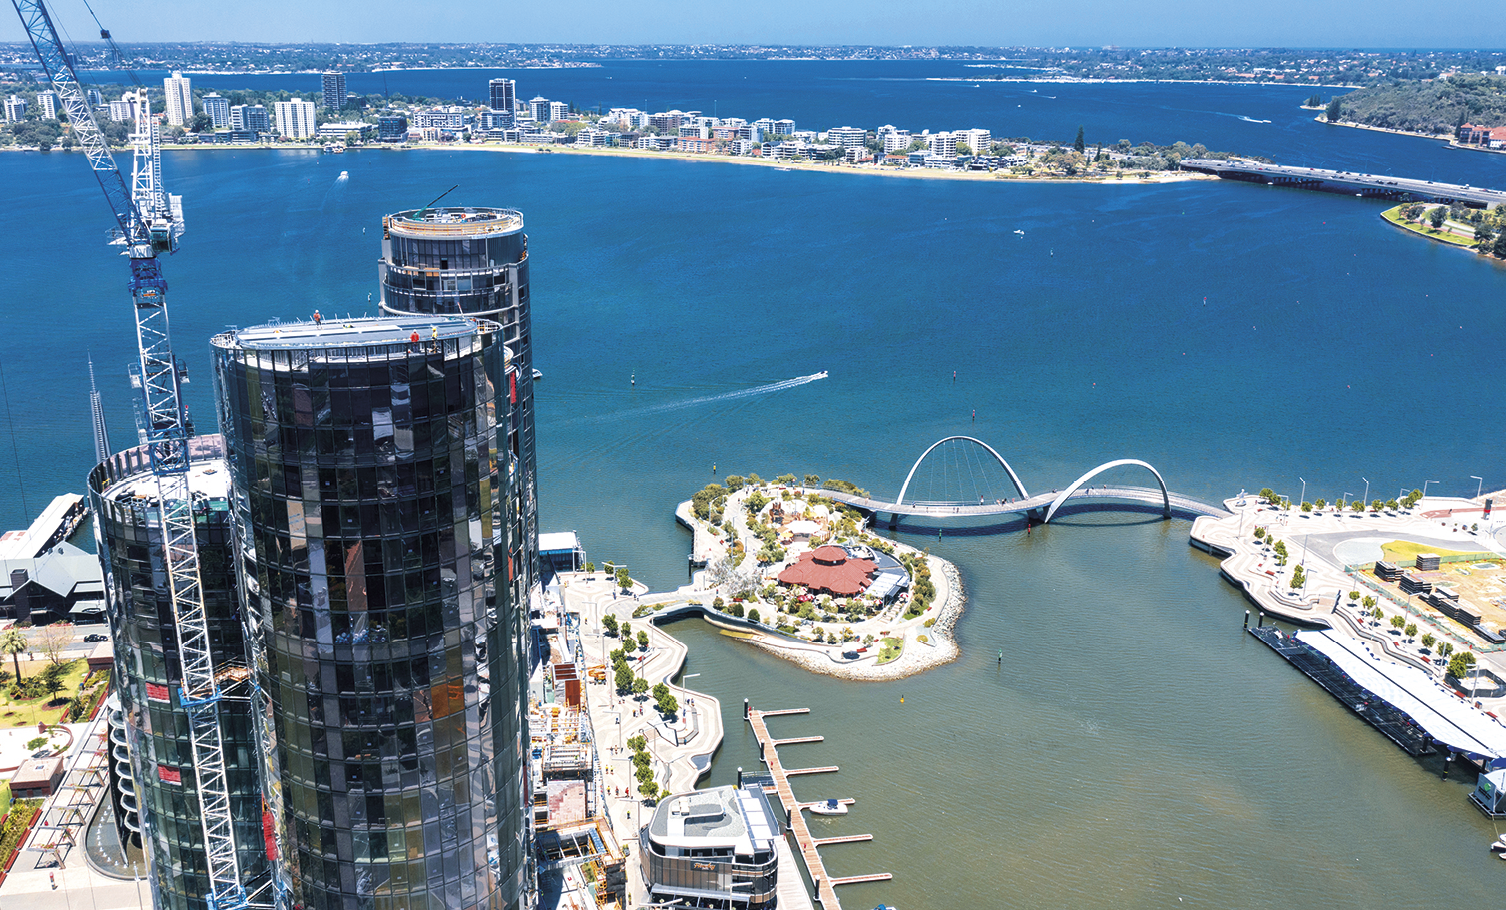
x,y
1395,725
768,748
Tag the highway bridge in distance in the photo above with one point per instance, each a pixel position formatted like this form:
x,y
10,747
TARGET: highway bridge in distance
x,y
1400,189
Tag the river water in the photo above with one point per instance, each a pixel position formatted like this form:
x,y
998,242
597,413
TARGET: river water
x,y
1134,749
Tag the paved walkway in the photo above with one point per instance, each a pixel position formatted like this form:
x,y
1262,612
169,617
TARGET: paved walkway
x,y
1324,600
36,882
681,749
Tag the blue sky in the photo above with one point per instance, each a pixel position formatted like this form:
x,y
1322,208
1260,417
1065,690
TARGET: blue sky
x,y
1222,23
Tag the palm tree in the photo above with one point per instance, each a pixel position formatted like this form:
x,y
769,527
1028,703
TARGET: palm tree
x,y
13,643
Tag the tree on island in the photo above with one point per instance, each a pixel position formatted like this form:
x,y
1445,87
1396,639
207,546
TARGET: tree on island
x,y
1078,144
1335,108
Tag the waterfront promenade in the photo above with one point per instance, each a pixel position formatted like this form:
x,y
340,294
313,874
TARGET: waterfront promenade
x,y
1328,544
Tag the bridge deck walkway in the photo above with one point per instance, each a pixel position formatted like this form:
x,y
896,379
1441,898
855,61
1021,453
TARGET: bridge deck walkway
x,y
1179,503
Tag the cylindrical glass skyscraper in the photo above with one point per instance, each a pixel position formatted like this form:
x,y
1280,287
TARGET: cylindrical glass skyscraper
x,y
156,763
370,464
472,262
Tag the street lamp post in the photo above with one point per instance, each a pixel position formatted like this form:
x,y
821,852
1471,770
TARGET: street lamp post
x,y
1479,484
1425,487
1366,500
1345,498
1302,497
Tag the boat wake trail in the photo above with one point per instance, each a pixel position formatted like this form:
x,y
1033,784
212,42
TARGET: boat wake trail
x,y
765,389
1252,119
729,396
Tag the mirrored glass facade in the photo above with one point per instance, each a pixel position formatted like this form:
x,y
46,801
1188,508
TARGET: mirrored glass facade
x,y
474,262
152,760
378,526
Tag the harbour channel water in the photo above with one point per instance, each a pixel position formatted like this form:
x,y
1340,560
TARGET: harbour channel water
x,y
1133,749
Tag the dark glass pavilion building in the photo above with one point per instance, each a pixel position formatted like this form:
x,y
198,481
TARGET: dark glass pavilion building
x,y
372,466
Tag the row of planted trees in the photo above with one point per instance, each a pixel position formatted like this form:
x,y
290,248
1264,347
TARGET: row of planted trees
x,y
1278,501
1459,662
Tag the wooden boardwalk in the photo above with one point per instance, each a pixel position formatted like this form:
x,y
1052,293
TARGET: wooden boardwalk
x,y
768,748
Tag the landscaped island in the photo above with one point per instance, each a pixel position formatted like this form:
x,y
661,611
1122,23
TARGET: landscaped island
x,y
799,575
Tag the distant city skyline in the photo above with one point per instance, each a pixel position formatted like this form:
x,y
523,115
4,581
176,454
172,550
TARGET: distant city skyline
x,y
1390,24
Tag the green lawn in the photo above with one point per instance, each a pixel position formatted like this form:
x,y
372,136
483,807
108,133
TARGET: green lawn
x,y
30,712
1394,216
890,649
1405,549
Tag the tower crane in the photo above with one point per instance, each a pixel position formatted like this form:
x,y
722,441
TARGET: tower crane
x,y
150,221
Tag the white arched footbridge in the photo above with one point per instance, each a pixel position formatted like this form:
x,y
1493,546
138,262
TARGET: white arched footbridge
x,y
1042,506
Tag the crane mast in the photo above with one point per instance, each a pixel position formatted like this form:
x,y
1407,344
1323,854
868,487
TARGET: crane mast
x,y
150,222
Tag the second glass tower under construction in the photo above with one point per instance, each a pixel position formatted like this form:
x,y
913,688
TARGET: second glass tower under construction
x,y
377,526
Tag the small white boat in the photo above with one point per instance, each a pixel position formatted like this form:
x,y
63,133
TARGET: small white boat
x,y
830,807
821,375
1499,846
536,374
1020,232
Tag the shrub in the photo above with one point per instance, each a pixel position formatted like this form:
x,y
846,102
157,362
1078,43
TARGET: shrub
x,y
930,622
753,615
609,623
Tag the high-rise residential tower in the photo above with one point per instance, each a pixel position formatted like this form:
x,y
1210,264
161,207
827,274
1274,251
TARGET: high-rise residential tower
x,y
503,96
217,109
370,464
472,262
295,118
155,770
179,91
333,91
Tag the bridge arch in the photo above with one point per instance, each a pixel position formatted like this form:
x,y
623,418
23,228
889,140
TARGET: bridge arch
x,y
1014,478
1122,462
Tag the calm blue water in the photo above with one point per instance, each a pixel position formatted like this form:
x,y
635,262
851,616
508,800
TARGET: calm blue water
x,y
1136,748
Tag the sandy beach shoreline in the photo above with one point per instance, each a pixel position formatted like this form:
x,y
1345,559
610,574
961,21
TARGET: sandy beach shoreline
x,y
1124,178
